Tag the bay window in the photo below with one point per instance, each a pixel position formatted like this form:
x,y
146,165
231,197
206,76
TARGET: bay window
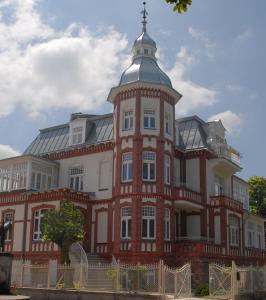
x,y
149,166
126,216
149,119
127,166
128,120
167,224
148,222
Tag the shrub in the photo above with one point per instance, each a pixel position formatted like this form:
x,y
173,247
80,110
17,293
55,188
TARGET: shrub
x,y
201,290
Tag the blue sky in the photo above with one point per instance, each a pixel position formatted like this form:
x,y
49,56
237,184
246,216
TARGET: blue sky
x,y
63,56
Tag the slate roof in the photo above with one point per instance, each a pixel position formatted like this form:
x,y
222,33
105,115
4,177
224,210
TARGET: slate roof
x,y
56,138
191,133
190,130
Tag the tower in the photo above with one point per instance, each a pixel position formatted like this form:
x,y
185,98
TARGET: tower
x,y
144,137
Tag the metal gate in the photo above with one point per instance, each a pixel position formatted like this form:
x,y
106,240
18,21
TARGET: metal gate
x,y
220,280
177,281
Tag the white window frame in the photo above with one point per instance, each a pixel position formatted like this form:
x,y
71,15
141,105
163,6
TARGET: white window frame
x,y
76,178
167,169
38,215
234,231
126,219
250,235
127,167
149,221
77,135
167,223
149,162
128,120
149,120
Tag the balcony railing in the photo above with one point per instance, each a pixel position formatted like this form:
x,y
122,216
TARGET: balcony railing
x,y
184,193
225,201
225,151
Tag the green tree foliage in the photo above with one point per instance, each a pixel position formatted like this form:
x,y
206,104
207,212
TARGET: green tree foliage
x,y
180,5
63,226
257,194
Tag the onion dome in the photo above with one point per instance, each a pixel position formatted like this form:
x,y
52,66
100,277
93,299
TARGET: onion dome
x,y
144,65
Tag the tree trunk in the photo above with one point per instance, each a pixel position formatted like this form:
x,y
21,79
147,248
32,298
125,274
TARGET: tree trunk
x,y
65,254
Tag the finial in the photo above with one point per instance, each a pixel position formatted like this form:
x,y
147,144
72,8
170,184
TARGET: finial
x,y
144,14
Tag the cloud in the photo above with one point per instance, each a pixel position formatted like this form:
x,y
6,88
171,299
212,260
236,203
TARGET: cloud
x,y
201,36
6,151
195,96
232,122
246,34
42,69
234,88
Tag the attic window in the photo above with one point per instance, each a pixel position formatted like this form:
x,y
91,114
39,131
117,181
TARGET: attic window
x,y
77,135
146,51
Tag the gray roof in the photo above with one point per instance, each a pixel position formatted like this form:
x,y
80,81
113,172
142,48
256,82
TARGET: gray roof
x,y
191,133
57,138
144,69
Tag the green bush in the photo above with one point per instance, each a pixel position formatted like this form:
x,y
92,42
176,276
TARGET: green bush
x,y
201,290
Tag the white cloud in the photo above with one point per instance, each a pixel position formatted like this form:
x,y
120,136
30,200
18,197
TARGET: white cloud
x,y
7,151
246,34
42,69
201,36
232,122
234,88
195,96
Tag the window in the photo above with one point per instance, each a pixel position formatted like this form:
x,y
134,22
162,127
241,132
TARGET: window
x,y
146,51
167,123
126,215
166,169
219,185
149,166
77,135
233,231
127,167
148,222
128,120
149,119
167,224
259,236
76,178
38,215
8,217
251,234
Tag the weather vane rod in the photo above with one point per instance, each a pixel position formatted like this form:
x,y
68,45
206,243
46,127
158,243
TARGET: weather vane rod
x,y
144,15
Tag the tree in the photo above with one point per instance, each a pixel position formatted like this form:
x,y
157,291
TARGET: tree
x,y
63,226
257,194
180,5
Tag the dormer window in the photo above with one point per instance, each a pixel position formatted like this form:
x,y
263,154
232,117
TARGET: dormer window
x,y
146,51
77,135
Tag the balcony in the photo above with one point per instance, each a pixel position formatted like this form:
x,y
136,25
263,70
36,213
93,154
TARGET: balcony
x,y
187,196
224,201
222,150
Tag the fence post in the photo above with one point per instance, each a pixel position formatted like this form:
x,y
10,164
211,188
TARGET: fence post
x,y
251,270
175,283
233,281
118,276
160,276
48,275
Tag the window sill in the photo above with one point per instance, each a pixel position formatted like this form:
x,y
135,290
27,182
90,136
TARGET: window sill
x,y
148,180
126,181
127,129
145,239
149,128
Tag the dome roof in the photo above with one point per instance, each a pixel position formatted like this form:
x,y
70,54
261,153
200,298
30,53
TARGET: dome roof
x,y
144,65
144,69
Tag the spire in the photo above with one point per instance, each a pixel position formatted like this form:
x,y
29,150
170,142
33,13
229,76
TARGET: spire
x,y
144,15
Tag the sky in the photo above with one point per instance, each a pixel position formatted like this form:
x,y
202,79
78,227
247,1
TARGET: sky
x,y
63,56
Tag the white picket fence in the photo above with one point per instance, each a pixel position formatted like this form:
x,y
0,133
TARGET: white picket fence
x,y
149,278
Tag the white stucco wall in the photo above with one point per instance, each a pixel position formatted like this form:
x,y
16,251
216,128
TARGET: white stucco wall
x,y
98,173
102,227
193,174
